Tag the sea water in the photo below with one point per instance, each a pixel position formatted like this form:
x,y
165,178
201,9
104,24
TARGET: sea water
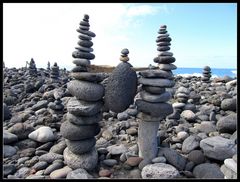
x,y
216,72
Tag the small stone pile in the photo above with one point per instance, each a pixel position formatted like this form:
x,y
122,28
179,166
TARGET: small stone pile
x,y
48,66
32,68
229,168
152,105
181,95
84,109
206,74
124,57
56,107
54,72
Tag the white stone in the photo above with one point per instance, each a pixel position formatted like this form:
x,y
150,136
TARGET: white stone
x,y
42,134
116,149
182,135
159,171
230,163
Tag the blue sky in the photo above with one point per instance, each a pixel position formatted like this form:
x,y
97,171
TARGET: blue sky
x,y
202,33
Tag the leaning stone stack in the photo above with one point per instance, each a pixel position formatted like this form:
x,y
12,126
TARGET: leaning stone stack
x,y
32,68
206,74
54,72
84,109
152,105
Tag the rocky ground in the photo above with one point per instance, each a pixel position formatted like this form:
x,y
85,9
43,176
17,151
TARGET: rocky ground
x,y
201,144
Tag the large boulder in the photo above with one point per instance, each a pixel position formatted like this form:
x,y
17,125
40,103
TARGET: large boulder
x,y
218,148
227,124
229,104
121,88
159,171
207,170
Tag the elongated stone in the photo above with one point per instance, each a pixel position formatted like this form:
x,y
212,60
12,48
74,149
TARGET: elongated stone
x,y
164,97
74,132
84,120
83,108
154,109
156,74
165,54
163,44
84,37
89,33
85,43
83,55
163,48
84,49
167,67
153,89
164,59
82,62
159,82
164,39
147,139
90,77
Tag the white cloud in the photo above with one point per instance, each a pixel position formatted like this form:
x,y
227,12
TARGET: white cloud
x,y
47,31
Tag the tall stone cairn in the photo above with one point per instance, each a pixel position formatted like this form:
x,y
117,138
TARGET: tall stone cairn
x,y
54,72
32,68
152,104
206,74
48,66
84,109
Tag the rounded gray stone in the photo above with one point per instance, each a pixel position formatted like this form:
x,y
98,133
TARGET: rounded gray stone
x,y
9,151
75,132
164,97
164,59
163,44
83,55
163,48
159,82
156,74
85,43
90,77
83,108
9,137
167,67
154,109
87,161
164,53
85,90
79,69
207,170
227,124
121,88
229,104
153,89
159,171
81,146
82,62
84,120
79,174
84,49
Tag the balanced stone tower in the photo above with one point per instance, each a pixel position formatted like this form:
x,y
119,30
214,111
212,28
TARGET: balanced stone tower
x,y
206,74
48,66
32,68
84,109
152,104
54,73
182,96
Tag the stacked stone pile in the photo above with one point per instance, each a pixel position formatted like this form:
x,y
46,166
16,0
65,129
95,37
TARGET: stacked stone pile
x,y
48,66
32,68
152,105
54,72
181,95
84,109
206,74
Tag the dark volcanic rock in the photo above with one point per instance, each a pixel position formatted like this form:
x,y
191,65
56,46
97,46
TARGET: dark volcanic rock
x,y
227,124
229,104
74,132
121,88
207,170
154,109
84,120
86,91
7,113
81,146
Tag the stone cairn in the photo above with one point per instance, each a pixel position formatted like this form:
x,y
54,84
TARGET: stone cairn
x,y
181,95
48,66
32,68
152,105
54,73
206,74
84,109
